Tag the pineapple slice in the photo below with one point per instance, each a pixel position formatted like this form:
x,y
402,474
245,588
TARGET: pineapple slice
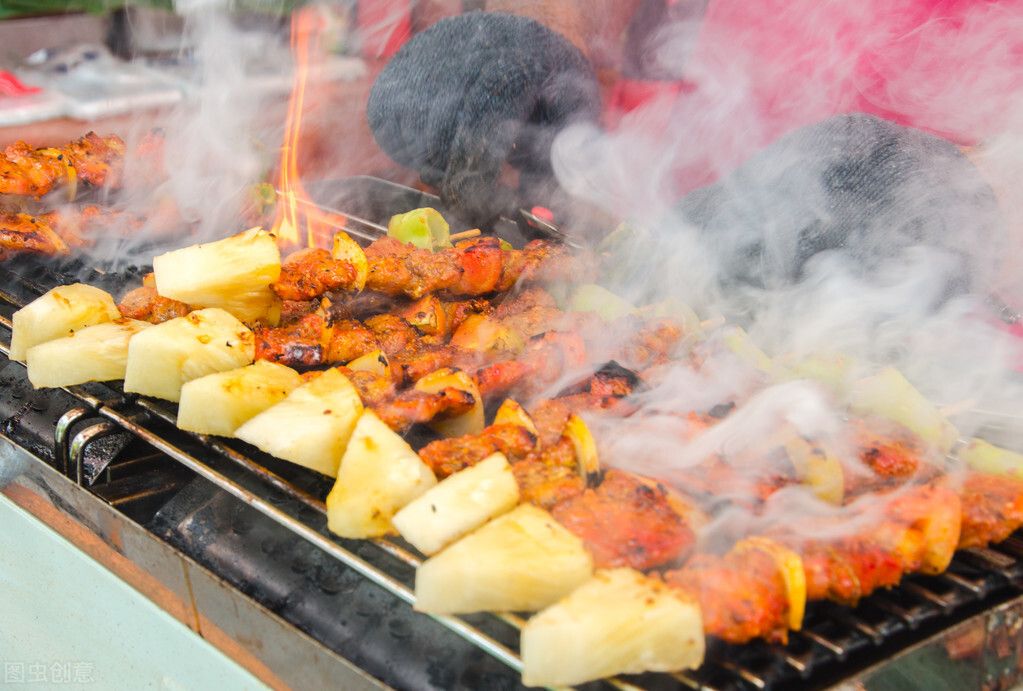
x,y
585,447
349,250
95,353
234,274
374,361
815,467
482,334
471,422
521,561
739,342
459,504
889,395
512,413
58,313
790,567
220,403
310,427
379,474
618,622
162,358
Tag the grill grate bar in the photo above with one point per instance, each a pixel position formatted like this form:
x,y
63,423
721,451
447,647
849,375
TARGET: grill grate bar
x,y
928,594
743,673
835,648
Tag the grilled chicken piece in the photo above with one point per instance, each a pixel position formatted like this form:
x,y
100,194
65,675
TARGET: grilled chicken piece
x,y
742,595
144,304
992,508
550,475
34,172
309,273
917,530
447,456
626,522
32,234
472,267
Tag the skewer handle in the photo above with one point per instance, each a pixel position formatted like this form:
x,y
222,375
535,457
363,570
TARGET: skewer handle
x,y
465,235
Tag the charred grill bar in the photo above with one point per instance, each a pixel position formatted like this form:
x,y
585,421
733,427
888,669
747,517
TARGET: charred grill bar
x,y
163,502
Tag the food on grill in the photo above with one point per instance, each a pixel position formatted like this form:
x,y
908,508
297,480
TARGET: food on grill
x,y
742,594
162,358
618,622
348,250
220,403
311,426
58,313
469,422
590,297
526,508
379,474
94,353
988,458
627,522
234,274
145,304
992,509
34,172
459,504
470,268
24,233
887,394
521,561
425,228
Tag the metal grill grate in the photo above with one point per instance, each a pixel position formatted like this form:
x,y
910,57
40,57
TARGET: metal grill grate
x,y
835,642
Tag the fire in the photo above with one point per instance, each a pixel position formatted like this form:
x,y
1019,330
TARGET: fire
x,y
297,214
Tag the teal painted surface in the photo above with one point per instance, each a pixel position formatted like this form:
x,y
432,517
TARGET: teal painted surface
x,y
66,622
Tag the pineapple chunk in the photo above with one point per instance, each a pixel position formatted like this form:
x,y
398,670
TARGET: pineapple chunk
x,y
618,622
816,467
58,313
379,474
234,274
585,447
790,567
162,358
349,250
95,353
374,361
521,561
740,343
459,504
471,422
512,413
220,403
311,427
988,458
889,395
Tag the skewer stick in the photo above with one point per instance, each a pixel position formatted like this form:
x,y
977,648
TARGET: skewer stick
x,y
465,235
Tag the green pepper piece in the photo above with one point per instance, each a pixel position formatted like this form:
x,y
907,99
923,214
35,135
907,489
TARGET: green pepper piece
x,y
590,297
425,228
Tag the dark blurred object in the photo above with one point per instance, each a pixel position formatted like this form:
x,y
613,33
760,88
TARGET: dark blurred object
x,y
857,185
477,91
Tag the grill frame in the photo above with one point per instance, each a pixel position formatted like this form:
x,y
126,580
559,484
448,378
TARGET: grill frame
x,y
886,625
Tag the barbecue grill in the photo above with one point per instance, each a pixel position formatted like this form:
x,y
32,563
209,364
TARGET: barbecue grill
x,y
233,543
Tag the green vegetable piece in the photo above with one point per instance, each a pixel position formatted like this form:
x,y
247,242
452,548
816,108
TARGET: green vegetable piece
x,y
590,297
988,458
425,228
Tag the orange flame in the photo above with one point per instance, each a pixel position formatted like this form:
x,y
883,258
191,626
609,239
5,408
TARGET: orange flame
x,y
296,213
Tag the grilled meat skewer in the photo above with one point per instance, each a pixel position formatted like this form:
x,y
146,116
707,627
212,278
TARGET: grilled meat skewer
x,y
34,172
